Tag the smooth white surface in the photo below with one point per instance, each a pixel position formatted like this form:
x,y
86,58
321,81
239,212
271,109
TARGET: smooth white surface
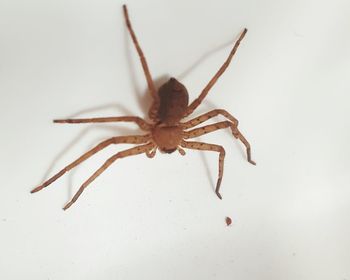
x,y
160,219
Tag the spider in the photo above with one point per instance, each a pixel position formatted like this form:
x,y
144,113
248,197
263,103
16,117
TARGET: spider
x,y
165,131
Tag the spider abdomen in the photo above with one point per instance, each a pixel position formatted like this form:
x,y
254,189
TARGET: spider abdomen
x,y
173,99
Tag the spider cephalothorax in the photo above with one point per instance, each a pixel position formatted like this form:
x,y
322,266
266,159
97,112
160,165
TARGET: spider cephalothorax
x,y
165,131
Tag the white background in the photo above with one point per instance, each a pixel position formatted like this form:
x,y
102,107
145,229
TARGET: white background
x,y
160,219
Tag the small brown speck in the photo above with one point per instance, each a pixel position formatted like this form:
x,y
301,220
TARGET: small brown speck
x,y
228,221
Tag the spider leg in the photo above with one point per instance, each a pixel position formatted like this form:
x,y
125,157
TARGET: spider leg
x,y
220,125
209,147
139,121
152,152
114,140
181,151
212,82
126,153
150,83
202,118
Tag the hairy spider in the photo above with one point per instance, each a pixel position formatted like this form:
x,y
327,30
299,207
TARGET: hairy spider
x,y
165,131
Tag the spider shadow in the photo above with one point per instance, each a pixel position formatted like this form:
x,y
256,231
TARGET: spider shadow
x,y
204,57
113,106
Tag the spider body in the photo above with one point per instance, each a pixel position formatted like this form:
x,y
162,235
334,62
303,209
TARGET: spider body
x,y
173,102
166,131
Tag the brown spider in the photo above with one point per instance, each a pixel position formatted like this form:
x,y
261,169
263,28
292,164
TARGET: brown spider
x,y
165,131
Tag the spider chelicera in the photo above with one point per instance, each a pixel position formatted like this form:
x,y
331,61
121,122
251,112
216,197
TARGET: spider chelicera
x,y
165,130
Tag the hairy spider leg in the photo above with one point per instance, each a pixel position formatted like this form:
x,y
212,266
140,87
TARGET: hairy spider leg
x,y
114,140
152,152
206,116
139,121
126,153
220,125
211,83
209,147
149,79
